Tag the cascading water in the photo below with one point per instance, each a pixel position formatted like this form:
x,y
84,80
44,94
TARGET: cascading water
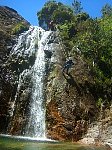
x,y
32,42
36,125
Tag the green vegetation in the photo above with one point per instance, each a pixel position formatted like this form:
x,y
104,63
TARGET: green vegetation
x,y
93,38
57,12
19,28
77,7
106,10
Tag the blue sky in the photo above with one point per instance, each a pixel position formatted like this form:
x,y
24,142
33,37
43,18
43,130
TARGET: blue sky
x,y
28,8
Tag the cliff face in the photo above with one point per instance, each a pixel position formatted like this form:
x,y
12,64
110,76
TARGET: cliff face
x,y
9,19
70,102
71,105
70,98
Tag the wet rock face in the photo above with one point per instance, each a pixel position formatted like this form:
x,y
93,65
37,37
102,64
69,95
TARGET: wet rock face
x,y
19,116
8,69
23,57
9,18
70,102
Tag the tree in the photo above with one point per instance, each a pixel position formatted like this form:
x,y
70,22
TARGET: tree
x,y
57,12
82,17
45,14
62,14
77,7
91,36
106,10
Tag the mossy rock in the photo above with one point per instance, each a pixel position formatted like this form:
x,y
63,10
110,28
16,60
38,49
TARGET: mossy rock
x,y
19,28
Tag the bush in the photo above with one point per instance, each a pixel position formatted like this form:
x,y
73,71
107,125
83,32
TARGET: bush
x,y
19,28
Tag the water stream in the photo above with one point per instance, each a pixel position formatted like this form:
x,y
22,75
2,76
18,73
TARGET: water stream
x,y
32,42
36,124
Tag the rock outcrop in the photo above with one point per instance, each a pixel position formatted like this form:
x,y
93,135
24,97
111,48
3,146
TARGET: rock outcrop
x,y
70,103
9,19
70,98
100,131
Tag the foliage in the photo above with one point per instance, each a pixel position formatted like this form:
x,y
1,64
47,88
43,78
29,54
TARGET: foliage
x,y
19,28
99,102
77,7
95,44
93,37
57,12
106,10
44,16
82,17
62,15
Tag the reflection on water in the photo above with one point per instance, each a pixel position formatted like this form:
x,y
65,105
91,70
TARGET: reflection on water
x,y
7,143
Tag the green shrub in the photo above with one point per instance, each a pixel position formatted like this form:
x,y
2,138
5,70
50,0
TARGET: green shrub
x,y
99,102
19,28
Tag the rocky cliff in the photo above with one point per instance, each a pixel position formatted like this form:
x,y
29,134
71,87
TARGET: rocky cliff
x,y
9,22
71,110
70,102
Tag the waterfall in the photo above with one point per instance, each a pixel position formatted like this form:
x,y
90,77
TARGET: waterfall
x,y
36,124
31,42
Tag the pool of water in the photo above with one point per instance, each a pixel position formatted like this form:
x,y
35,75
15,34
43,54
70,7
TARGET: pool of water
x,y
9,143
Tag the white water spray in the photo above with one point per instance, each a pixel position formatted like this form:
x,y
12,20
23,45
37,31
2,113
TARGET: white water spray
x,y
36,125
33,42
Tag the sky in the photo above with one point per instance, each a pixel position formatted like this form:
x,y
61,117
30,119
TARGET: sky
x,y
29,8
